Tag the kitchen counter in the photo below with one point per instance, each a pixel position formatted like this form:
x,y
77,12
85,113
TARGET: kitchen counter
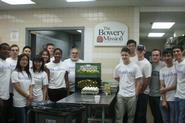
x,y
88,100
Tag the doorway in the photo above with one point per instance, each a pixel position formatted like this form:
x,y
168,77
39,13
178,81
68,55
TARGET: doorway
x,y
63,38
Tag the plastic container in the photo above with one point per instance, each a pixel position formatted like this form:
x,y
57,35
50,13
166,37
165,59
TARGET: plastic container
x,y
56,113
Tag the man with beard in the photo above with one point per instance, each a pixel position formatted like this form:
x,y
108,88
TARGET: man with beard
x,y
70,64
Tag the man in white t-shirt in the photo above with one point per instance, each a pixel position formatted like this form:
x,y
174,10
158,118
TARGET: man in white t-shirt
x,y
168,80
50,47
12,61
27,50
14,52
180,91
70,64
128,75
131,45
146,69
5,73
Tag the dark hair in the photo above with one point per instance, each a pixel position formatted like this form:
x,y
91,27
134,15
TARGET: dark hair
x,y
141,47
167,51
26,47
49,44
157,50
38,58
18,66
74,48
2,45
178,47
131,41
125,49
57,49
45,50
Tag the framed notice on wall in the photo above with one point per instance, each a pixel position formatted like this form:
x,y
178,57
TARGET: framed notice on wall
x,y
14,35
110,34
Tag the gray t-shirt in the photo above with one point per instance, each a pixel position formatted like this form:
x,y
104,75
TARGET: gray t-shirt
x,y
155,82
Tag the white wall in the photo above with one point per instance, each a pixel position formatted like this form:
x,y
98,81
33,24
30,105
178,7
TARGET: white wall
x,y
74,17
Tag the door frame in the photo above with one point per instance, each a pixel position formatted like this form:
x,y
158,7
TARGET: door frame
x,y
29,29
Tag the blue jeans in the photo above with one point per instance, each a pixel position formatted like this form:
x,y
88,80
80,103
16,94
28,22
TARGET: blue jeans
x,y
180,109
155,109
168,115
21,113
141,109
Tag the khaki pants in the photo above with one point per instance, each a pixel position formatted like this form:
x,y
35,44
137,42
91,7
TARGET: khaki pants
x,y
123,105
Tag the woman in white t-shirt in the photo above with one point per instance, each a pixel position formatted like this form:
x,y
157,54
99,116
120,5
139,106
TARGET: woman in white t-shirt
x,y
58,84
40,78
21,79
44,54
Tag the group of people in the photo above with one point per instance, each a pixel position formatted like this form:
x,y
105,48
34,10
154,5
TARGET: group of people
x,y
24,80
159,83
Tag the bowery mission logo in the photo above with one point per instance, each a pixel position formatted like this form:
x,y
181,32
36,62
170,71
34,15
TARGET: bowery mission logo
x,y
111,34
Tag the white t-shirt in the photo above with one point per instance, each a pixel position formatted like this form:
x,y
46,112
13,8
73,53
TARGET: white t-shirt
x,y
57,73
40,79
52,59
134,58
169,76
146,69
30,64
180,68
127,74
25,82
5,73
71,72
12,63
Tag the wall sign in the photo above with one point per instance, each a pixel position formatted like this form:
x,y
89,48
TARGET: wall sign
x,y
111,34
14,35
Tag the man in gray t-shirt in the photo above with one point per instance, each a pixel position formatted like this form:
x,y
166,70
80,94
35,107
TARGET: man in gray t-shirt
x,y
154,83
154,95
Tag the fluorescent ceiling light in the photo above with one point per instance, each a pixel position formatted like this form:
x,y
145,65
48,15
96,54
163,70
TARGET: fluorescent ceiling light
x,y
80,31
80,0
18,2
162,25
155,34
